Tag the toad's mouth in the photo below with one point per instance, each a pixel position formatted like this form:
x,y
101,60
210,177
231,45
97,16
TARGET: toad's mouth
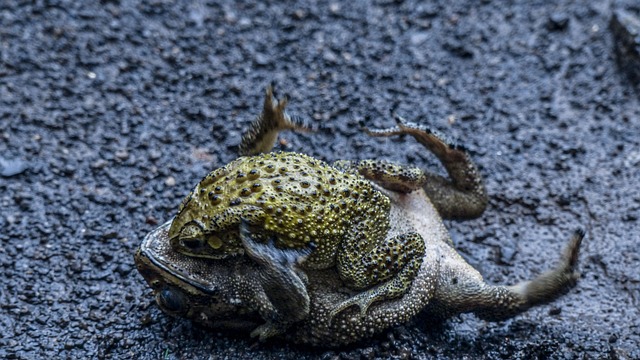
x,y
156,252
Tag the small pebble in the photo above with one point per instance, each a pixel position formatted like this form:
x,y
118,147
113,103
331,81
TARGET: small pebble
x,y
12,167
122,154
558,21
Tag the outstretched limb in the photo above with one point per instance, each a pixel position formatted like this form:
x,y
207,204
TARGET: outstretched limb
x,y
283,299
263,131
495,303
463,196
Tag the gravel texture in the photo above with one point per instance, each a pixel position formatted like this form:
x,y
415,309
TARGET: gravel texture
x,y
110,111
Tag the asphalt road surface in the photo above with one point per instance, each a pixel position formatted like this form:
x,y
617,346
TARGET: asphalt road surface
x,y
110,111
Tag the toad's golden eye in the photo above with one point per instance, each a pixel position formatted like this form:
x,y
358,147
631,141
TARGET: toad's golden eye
x,y
214,241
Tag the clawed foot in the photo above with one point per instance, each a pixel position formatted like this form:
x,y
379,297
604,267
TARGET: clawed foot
x,y
265,331
263,132
362,301
434,140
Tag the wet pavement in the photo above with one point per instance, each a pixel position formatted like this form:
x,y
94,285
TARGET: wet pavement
x,y
110,111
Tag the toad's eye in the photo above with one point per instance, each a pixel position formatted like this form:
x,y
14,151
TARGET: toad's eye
x,y
193,244
215,242
191,236
171,300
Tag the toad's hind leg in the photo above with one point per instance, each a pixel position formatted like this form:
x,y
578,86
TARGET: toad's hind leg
x,y
495,302
263,132
391,264
462,197
395,177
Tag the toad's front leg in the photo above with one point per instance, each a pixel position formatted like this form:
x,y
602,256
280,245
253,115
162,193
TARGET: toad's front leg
x,y
281,298
390,267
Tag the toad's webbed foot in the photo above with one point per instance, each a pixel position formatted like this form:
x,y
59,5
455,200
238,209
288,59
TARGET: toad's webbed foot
x,y
283,299
263,131
388,290
464,195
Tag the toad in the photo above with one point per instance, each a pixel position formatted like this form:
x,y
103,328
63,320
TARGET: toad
x,y
293,242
